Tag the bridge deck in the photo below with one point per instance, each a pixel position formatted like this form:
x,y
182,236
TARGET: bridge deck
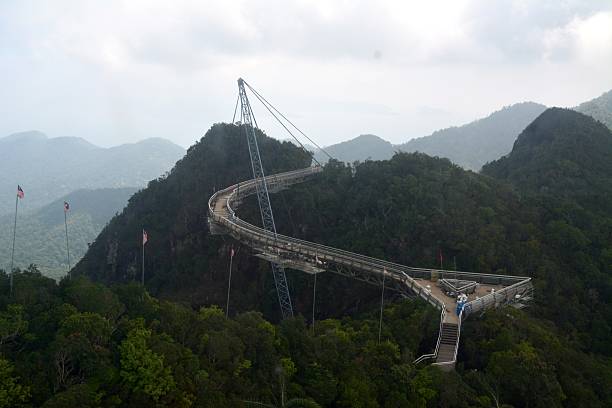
x,y
436,291
311,257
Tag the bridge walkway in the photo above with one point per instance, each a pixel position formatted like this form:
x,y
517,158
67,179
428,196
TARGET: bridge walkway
x,y
491,290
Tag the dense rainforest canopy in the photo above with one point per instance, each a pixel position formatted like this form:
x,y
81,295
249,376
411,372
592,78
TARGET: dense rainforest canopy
x,y
84,344
108,342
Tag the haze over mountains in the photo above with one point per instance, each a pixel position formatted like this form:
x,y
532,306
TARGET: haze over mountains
x,y
599,108
471,145
41,236
49,168
361,148
481,141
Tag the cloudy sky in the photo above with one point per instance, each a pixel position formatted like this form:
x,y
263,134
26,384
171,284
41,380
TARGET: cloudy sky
x,y
118,71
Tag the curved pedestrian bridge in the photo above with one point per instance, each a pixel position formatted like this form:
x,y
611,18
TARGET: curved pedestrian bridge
x,y
438,287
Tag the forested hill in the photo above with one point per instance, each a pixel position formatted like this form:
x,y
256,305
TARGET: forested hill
x,y
599,108
49,168
562,153
41,234
407,209
183,260
476,143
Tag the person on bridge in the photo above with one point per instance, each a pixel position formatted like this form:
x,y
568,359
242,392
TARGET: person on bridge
x,y
461,300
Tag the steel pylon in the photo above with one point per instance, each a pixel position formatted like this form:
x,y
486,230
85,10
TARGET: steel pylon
x,y
263,198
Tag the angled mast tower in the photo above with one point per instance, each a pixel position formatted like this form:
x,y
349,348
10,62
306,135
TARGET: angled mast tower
x,y
263,198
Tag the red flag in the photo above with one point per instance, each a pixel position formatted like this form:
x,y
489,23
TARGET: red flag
x,y
66,206
20,192
145,237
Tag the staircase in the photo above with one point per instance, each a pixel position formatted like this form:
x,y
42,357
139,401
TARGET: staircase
x,y
449,337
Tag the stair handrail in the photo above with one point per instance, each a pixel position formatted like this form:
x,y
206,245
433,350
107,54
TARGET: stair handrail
x,y
435,353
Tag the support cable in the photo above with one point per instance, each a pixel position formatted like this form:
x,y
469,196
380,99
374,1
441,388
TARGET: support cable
x,y
314,302
235,109
382,303
283,125
265,102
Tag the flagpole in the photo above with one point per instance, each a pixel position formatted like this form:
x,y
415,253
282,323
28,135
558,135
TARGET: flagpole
x,y
382,300
67,247
229,283
143,257
13,250
314,302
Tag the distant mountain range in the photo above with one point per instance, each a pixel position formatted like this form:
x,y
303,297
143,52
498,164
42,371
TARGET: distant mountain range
x,y
481,141
364,147
599,108
41,236
49,168
471,145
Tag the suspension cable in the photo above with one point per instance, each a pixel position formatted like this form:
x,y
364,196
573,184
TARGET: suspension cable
x,y
283,125
235,109
265,102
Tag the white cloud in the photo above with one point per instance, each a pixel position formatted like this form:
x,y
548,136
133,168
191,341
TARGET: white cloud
x,y
587,40
119,70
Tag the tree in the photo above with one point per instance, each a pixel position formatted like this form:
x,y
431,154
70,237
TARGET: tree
x,y
80,349
79,395
12,394
12,324
93,297
526,378
142,370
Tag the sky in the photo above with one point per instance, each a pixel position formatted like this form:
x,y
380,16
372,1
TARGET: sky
x,y
116,71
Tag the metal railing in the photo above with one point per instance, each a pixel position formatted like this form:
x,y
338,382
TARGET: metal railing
x,y
311,252
500,297
433,355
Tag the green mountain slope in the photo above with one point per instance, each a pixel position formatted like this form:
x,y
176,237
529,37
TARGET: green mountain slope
x,y
562,153
49,168
183,260
599,108
478,142
406,209
41,233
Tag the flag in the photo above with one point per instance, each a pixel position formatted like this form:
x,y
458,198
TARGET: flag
x,y
232,252
66,206
20,192
145,237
